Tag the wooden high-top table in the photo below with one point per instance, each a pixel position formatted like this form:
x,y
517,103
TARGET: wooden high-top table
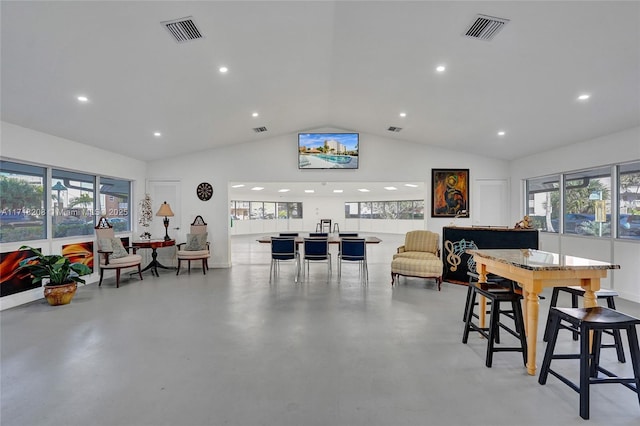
x,y
534,270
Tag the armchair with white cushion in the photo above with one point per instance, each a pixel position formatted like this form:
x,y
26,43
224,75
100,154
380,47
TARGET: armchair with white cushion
x,y
196,247
113,255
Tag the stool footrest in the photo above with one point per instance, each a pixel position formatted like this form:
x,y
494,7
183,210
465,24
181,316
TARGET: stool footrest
x,y
613,378
565,356
565,380
507,349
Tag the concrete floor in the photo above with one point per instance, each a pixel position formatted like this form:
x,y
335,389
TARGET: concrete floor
x,y
229,348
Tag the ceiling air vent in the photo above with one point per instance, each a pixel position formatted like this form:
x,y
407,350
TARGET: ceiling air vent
x,y
485,27
259,129
394,129
183,29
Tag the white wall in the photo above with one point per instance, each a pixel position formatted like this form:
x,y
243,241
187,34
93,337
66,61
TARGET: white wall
x,y
382,159
618,147
275,160
19,143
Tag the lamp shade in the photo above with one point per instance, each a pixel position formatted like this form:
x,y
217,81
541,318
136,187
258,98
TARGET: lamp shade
x,y
164,210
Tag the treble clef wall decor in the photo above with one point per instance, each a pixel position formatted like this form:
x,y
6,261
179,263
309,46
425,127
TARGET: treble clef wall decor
x,y
452,258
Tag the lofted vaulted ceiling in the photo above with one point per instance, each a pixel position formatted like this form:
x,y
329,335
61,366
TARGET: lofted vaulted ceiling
x,y
351,65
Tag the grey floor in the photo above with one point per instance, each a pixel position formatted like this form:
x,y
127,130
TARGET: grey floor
x,y
229,348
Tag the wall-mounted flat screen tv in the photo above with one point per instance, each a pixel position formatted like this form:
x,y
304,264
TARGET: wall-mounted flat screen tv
x,y
328,150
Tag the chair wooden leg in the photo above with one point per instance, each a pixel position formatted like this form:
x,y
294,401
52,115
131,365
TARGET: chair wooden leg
x,y
188,266
101,275
118,278
140,272
204,262
178,269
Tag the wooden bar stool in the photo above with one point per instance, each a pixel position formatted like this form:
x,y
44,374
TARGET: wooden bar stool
x,y
585,320
576,292
497,297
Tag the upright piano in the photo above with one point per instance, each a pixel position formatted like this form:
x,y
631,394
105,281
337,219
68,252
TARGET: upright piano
x,y
456,240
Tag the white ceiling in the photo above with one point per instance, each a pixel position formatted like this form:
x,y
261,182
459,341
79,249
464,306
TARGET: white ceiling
x,y
305,65
351,191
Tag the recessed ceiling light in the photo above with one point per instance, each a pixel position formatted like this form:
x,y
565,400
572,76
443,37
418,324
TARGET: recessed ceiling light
x,y
257,188
338,191
390,188
240,185
223,69
255,114
363,190
411,185
309,191
403,114
584,97
284,190
441,68
157,134
501,133
83,99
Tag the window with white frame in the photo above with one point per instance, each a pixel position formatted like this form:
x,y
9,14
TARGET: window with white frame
x,y
602,202
629,200
74,204
115,202
587,202
22,202
258,210
543,203
404,209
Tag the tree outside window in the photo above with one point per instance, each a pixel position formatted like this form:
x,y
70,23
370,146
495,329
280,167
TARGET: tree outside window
x,y
22,202
73,196
587,202
543,195
629,200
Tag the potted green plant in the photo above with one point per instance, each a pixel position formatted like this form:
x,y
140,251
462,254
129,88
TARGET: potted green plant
x,y
62,275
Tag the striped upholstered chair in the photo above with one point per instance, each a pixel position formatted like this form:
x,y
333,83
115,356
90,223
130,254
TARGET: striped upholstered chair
x,y
418,257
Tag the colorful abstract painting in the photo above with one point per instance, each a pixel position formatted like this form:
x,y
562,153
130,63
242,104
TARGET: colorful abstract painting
x,y
450,193
12,280
79,253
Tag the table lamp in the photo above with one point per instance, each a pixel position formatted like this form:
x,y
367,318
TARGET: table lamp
x,y
165,210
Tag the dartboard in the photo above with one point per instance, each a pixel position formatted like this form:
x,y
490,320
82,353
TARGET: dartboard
x,y
204,191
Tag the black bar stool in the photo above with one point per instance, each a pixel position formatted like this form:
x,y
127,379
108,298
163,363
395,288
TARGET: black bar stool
x,y
497,297
576,292
494,282
585,320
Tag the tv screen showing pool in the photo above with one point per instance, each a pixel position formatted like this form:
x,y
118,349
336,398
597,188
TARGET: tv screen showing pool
x,y
328,150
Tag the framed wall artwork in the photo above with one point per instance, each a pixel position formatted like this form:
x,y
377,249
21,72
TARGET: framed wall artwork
x,y
450,193
79,252
12,280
